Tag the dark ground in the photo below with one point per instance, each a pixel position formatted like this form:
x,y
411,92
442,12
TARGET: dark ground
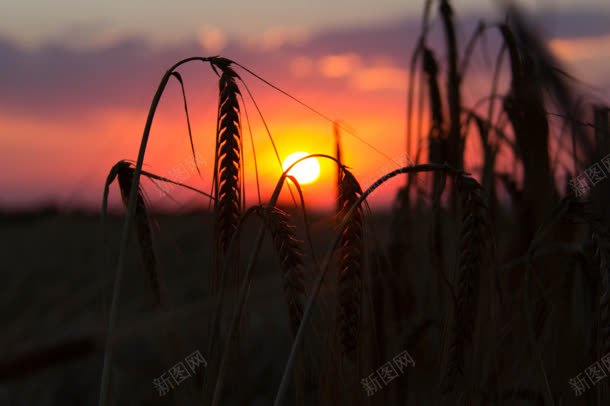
x,y
54,281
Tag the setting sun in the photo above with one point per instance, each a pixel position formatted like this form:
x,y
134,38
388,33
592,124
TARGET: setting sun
x,y
306,171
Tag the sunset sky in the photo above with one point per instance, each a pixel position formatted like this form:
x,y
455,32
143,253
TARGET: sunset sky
x,y
77,78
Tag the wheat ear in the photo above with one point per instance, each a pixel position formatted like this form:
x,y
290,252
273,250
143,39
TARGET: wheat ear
x,y
143,230
351,248
290,363
473,245
227,207
124,240
228,158
291,258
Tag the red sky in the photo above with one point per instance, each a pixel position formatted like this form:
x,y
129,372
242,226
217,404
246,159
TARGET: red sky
x,y
67,114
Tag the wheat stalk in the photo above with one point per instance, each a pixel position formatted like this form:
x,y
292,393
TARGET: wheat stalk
x,y
291,259
600,239
143,230
228,155
601,245
337,135
227,165
281,393
453,85
474,237
245,282
564,207
430,67
124,242
349,281
526,111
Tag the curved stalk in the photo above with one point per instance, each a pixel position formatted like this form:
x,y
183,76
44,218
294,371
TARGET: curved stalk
x,y
246,281
127,226
281,394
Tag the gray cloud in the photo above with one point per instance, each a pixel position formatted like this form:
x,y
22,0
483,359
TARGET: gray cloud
x,y
55,80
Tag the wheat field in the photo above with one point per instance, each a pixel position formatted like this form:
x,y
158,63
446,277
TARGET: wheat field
x,y
478,287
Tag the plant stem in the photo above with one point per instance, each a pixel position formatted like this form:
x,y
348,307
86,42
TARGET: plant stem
x,y
105,382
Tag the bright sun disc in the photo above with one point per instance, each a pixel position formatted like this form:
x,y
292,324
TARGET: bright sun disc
x,y
306,171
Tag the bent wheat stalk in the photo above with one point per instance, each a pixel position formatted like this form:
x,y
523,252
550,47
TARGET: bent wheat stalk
x,y
283,388
246,277
131,209
123,170
143,231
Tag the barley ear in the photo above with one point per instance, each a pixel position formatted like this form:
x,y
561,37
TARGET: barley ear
x,y
228,159
473,245
288,249
351,248
143,230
